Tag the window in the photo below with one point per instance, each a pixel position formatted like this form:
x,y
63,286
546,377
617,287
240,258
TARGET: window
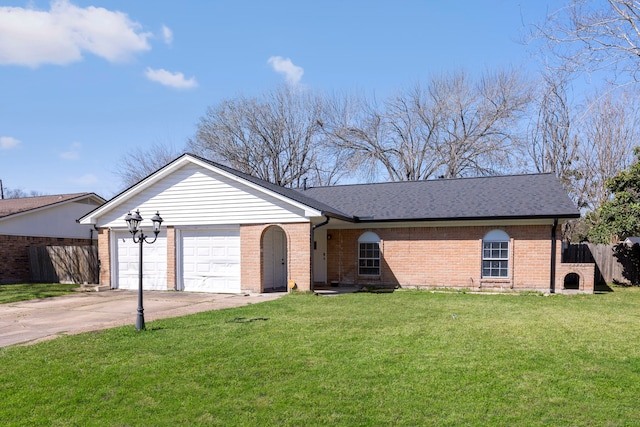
x,y
495,254
369,254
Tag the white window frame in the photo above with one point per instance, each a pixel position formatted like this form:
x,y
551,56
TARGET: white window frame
x,y
369,242
496,253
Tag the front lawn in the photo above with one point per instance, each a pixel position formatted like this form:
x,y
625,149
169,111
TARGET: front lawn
x,y
28,291
407,358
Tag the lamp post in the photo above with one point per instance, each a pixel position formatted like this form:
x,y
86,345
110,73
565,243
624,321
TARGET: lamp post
x,y
133,222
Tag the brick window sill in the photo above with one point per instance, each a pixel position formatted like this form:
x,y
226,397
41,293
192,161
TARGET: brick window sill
x,y
495,281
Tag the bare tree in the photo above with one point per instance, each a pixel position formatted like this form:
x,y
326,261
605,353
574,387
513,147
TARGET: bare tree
x,y
480,122
610,129
18,193
274,137
136,165
592,35
583,148
354,126
451,128
414,126
332,165
553,142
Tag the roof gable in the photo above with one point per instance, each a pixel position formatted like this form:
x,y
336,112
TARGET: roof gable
x,y
163,180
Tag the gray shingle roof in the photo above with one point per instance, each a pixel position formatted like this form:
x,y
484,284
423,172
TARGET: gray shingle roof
x,y
24,204
500,197
497,197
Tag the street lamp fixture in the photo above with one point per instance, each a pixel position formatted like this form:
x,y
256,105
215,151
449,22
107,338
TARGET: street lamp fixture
x,y
133,222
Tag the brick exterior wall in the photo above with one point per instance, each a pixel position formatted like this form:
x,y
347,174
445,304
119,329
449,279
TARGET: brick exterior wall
x,y
586,272
298,255
14,254
411,257
251,257
104,255
172,281
449,257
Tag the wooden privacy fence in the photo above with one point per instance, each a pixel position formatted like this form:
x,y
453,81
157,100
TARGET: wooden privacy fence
x,y
616,263
64,264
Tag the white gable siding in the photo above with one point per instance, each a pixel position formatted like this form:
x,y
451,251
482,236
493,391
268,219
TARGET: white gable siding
x,y
194,196
54,221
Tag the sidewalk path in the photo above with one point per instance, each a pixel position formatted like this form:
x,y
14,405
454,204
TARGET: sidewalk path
x,y
28,322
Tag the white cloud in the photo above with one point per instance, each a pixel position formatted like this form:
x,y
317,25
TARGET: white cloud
x,y
291,72
8,142
62,35
73,153
167,78
86,179
167,35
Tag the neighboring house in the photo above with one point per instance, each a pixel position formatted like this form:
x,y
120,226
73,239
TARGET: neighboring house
x,y
633,240
41,221
225,231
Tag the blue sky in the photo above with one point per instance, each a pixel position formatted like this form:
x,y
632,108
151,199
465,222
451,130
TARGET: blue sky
x,y
82,82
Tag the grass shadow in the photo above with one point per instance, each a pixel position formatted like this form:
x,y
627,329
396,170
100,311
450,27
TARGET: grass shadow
x,y
245,320
601,288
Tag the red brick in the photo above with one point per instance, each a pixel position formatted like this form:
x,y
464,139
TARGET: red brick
x,y
451,257
14,254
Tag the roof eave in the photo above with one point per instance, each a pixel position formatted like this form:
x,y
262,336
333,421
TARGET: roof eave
x,y
93,196
339,216
474,218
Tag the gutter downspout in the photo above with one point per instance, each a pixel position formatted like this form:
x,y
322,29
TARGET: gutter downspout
x,y
552,284
313,229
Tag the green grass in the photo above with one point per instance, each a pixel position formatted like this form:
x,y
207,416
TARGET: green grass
x,y
408,358
28,291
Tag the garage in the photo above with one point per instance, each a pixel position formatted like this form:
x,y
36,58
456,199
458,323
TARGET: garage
x,y
154,262
222,232
210,260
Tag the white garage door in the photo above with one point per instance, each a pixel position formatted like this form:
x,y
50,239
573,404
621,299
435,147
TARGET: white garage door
x,y
211,260
154,263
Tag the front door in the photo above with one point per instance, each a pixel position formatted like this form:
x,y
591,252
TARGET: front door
x,y
320,256
274,245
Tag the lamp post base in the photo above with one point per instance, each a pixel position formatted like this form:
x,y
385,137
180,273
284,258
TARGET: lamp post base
x,y
140,319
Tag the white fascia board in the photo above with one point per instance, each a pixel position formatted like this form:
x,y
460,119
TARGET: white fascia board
x,y
91,218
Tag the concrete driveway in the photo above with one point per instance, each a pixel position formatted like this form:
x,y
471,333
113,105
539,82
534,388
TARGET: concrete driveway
x,y
28,322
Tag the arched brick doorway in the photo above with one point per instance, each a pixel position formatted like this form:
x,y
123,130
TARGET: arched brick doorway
x,y
274,259
572,281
